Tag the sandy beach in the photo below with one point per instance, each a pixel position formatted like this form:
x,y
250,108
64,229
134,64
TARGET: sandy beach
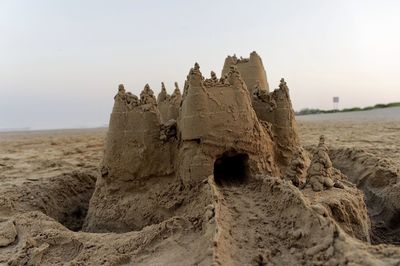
x,y
375,131
34,154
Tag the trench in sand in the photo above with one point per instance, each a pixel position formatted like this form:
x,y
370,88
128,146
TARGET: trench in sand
x,y
373,179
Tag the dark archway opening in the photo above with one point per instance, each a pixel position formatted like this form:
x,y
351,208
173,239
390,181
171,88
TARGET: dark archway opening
x,y
231,168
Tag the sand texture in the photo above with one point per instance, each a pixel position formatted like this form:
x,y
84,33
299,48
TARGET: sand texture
x,y
219,174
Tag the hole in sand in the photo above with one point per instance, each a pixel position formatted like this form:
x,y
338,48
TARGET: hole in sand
x,y
386,229
394,222
231,168
64,198
74,219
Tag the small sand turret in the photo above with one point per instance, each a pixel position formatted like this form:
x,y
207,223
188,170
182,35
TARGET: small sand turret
x,y
177,93
147,97
296,172
120,98
163,95
321,174
168,105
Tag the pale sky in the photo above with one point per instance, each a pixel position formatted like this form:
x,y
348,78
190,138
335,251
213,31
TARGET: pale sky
x,y
61,61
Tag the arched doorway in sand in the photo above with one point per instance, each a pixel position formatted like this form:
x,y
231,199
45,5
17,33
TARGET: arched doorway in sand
x,y
231,168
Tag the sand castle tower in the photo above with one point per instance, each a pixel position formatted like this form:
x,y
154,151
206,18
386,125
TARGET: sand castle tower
x,y
133,153
216,118
158,149
274,107
251,69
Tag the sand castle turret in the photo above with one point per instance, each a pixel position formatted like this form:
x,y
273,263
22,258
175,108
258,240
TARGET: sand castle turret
x,y
177,92
251,69
120,99
133,135
194,104
175,102
133,153
162,102
163,95
147,97
276,108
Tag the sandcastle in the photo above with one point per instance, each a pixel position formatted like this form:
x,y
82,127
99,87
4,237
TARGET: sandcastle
x,y
218,126
214,175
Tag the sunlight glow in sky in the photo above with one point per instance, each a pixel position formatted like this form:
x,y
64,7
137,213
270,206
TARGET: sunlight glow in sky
x,y
61,61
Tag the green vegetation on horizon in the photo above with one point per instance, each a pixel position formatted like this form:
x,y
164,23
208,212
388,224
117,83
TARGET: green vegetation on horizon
x,y
308,111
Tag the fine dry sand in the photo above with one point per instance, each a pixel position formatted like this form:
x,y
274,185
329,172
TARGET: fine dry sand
x,y
375,131
37,154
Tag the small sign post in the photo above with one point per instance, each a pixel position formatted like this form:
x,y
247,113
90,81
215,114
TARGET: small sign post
x,y
335,103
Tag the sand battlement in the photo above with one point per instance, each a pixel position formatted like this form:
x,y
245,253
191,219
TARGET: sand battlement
x,y
232,77
126,101
254,58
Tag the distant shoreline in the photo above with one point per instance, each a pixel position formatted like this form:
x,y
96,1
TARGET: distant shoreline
x,y
303,112
52,130
309,111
